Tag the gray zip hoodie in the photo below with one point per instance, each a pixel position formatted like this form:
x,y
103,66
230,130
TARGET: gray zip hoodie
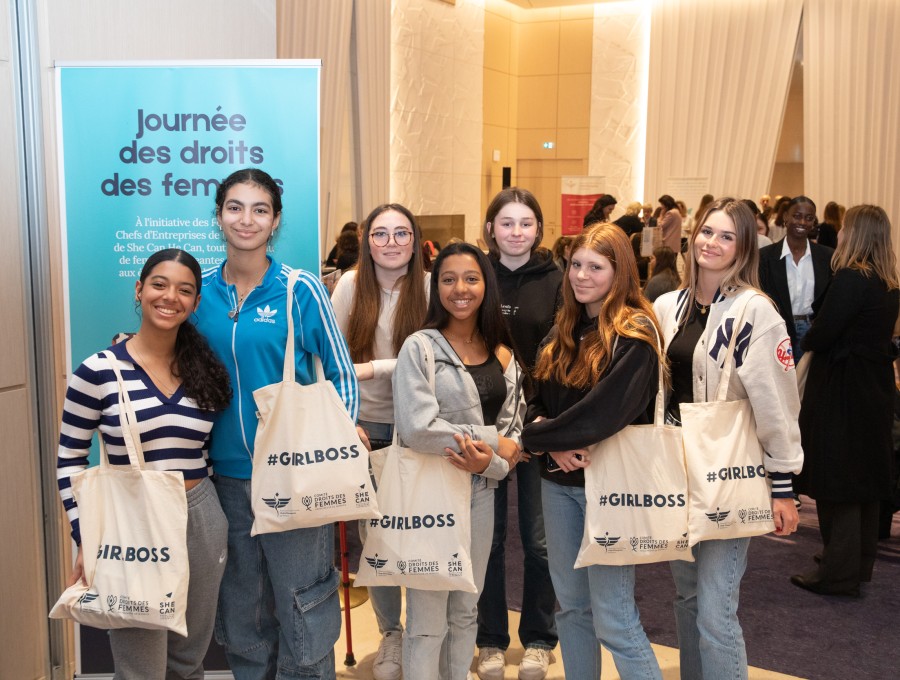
x,y
427,419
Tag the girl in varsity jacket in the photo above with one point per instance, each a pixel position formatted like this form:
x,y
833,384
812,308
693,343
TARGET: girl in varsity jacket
x,y
697,324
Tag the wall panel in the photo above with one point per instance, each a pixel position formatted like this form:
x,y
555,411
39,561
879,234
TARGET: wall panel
x,y
718,80
851,104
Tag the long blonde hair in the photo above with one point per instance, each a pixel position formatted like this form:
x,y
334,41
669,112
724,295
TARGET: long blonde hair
x,y
625,312
865,245
744,271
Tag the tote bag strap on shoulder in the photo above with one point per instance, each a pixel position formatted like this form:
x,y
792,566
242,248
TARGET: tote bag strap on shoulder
x,y
289,371
728,366
128,422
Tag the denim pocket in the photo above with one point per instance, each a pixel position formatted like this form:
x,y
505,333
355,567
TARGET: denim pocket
x,y
317,619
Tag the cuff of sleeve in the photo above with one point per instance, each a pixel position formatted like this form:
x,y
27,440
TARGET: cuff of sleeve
x,y
383,368
782,486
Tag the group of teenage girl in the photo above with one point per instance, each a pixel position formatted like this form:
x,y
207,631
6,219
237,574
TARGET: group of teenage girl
x,y
533,366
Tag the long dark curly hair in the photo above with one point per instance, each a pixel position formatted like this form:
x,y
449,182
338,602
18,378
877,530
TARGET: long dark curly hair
x,y
204,377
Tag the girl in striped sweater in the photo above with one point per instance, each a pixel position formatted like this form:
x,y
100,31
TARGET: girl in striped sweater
x,y
176,385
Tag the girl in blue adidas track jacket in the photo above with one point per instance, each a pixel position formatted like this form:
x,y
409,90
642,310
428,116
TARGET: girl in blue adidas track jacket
x,y
278,604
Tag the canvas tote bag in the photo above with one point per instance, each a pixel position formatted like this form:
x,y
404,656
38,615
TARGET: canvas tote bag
x,y
133,540
636,493
729,492
424,538
309,466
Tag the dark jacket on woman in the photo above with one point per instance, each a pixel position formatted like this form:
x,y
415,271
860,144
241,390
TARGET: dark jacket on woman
x,y
577,419
773,279
847,410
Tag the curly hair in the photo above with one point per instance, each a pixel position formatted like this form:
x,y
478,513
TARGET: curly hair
x,y
203,376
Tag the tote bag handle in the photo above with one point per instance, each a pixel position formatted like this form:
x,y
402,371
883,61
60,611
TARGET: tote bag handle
x,y
660,411
128,423
289,371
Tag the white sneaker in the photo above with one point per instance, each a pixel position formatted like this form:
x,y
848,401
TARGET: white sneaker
x,y
388,661
534,664
491,663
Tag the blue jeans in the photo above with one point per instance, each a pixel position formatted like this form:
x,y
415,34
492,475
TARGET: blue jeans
x,y
802,327
537,627
597,602
439,640
710,640
279,615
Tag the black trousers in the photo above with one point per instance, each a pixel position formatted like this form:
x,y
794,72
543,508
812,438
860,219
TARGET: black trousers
x,y
850,536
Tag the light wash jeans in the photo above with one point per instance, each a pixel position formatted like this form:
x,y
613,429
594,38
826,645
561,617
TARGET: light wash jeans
x,y
279,615
439,641
597,602
386,600
710,640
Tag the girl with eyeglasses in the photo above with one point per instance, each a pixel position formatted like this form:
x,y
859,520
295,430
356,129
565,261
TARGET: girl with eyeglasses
x,y
377,306
278,604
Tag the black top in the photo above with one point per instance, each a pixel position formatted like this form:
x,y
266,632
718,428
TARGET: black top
x,y
491,386
529,298
681,361
624,395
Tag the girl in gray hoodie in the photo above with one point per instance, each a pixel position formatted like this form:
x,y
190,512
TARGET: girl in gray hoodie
x,y
473,417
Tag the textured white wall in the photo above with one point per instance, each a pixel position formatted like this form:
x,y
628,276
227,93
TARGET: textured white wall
x,y
619,98
437,57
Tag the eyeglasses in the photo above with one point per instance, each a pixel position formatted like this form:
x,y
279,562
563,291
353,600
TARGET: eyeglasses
x,y
381,238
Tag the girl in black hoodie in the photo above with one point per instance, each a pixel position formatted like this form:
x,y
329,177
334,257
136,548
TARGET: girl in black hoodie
x,y
529,294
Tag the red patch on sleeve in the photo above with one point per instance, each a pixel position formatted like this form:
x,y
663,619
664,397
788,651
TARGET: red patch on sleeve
x,y
784,354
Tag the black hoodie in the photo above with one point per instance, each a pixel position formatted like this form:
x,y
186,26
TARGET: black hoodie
x,y
529,296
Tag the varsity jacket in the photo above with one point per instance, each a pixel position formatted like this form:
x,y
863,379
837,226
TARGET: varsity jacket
x,y
764,372
251,341
427,423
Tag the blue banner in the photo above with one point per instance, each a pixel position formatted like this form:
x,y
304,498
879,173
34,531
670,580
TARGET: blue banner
x,y
142,149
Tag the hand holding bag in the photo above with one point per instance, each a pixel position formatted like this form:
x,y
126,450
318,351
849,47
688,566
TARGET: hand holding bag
x,y
424,538
310,467
636,493
729,492
133,540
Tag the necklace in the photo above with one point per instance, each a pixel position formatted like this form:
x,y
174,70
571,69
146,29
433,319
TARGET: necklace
x,y
163,386
236,310
465,341
703,309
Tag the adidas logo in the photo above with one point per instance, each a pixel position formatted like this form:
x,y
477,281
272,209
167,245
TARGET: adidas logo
x,y
265,315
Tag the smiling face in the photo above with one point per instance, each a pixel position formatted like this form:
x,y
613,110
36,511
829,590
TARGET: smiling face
x,y
591,277
247,218
515,230
799,220
461,286
389,228
168,295
715,246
